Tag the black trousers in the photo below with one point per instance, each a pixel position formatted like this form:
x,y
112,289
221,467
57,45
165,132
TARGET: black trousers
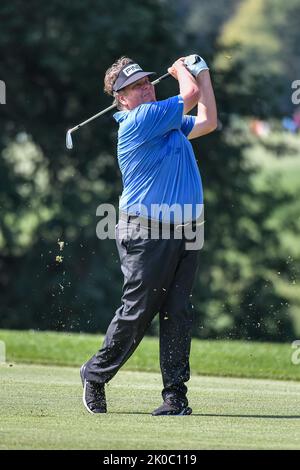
x,y
158,279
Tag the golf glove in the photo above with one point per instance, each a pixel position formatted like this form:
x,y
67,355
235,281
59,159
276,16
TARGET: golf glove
x,y
195,64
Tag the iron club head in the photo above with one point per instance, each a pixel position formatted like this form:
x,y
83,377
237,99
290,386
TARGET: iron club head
x,y
69,142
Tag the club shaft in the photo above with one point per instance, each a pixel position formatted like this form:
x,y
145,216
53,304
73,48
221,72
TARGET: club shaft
x,y
93,117
158,80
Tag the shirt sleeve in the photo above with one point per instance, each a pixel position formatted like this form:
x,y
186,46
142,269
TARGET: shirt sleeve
x,y
187,124
159,117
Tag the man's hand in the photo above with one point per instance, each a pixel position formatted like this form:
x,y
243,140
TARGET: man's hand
x,y
188,86
195,64
175,68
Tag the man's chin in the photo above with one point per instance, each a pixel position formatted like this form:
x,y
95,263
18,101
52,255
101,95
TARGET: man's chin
x,y
149,99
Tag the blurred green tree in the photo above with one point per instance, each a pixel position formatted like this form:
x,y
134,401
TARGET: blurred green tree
x,y
260,41
53,59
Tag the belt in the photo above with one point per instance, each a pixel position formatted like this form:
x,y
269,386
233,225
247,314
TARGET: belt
x,y
155,224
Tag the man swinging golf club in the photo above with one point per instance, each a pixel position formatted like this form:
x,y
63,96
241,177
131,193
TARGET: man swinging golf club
x,y
158,169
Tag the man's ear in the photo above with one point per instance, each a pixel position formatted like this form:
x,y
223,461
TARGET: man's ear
x,y
122,99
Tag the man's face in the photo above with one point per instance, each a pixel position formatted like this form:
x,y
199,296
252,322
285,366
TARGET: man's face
x,y
139,92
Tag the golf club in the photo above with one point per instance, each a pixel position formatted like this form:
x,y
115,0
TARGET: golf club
x,y
69,142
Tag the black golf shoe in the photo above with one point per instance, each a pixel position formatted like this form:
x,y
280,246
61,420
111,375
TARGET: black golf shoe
x,y
172,408
93,395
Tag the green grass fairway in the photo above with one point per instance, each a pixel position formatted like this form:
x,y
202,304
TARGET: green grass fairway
x,y
217,358
41,408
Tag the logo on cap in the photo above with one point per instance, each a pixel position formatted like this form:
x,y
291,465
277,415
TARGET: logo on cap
x,y
132,68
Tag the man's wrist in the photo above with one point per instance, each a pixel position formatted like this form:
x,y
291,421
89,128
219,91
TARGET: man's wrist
x,y
203,77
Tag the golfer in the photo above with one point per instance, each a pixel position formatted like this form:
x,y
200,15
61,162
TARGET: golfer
x,y
159,172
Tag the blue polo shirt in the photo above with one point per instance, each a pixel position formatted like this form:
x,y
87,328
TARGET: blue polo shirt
x,y
157,162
